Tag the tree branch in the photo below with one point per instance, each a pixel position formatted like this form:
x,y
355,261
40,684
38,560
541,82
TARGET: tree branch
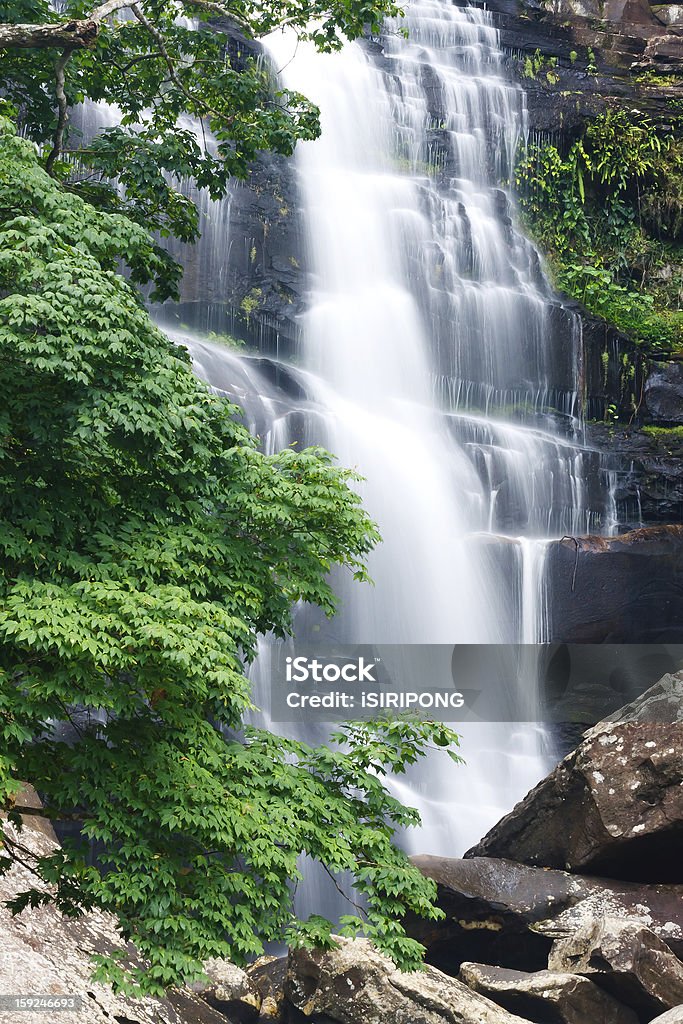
x,y
75,34
341,892
41,812
158,38
173,74
82,32
62,107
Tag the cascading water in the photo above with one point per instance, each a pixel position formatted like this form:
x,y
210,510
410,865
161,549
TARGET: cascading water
x,y
436,361
419,278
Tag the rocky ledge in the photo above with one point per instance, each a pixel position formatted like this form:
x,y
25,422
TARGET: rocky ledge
x,y
622,589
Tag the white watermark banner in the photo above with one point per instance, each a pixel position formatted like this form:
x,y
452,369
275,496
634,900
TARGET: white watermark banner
x,y
462,682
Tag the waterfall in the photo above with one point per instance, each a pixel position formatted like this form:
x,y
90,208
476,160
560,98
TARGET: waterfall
x,y
437,361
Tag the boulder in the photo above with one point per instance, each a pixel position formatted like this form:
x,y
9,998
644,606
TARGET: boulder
x,y
662,702
355,984
507,914
674,1016
627,960
231,991
43,953
579,684
668,14
612,807
267,975
546,997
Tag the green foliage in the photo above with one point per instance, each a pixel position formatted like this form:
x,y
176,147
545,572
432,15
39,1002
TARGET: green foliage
x,y
251,302
229,340
609,215
674,434
662,207
535,64
658,80
618,149
160,67
145,543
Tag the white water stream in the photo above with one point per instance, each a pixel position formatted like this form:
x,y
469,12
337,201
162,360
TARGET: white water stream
x,y
419,278
431,352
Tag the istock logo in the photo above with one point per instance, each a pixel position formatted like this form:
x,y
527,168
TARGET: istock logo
x,y
303,670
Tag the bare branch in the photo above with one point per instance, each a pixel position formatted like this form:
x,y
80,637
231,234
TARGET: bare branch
x,y
198,106
359,908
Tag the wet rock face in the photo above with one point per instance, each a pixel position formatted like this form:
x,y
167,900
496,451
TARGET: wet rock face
x,y
649,466
623,589
547,997
355,984
249,278
664,393
627,960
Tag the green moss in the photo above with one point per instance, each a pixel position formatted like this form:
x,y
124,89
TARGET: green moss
x,y
652,78
251,302
229,340
666,434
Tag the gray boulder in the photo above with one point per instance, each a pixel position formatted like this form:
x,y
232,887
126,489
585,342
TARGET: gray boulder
x,y
508,914
662,702
546,997
267,975
674,1016
627,960
612,807
231,991
355,984
43,953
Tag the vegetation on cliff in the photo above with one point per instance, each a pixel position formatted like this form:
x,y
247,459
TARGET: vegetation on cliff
x,y
608,212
